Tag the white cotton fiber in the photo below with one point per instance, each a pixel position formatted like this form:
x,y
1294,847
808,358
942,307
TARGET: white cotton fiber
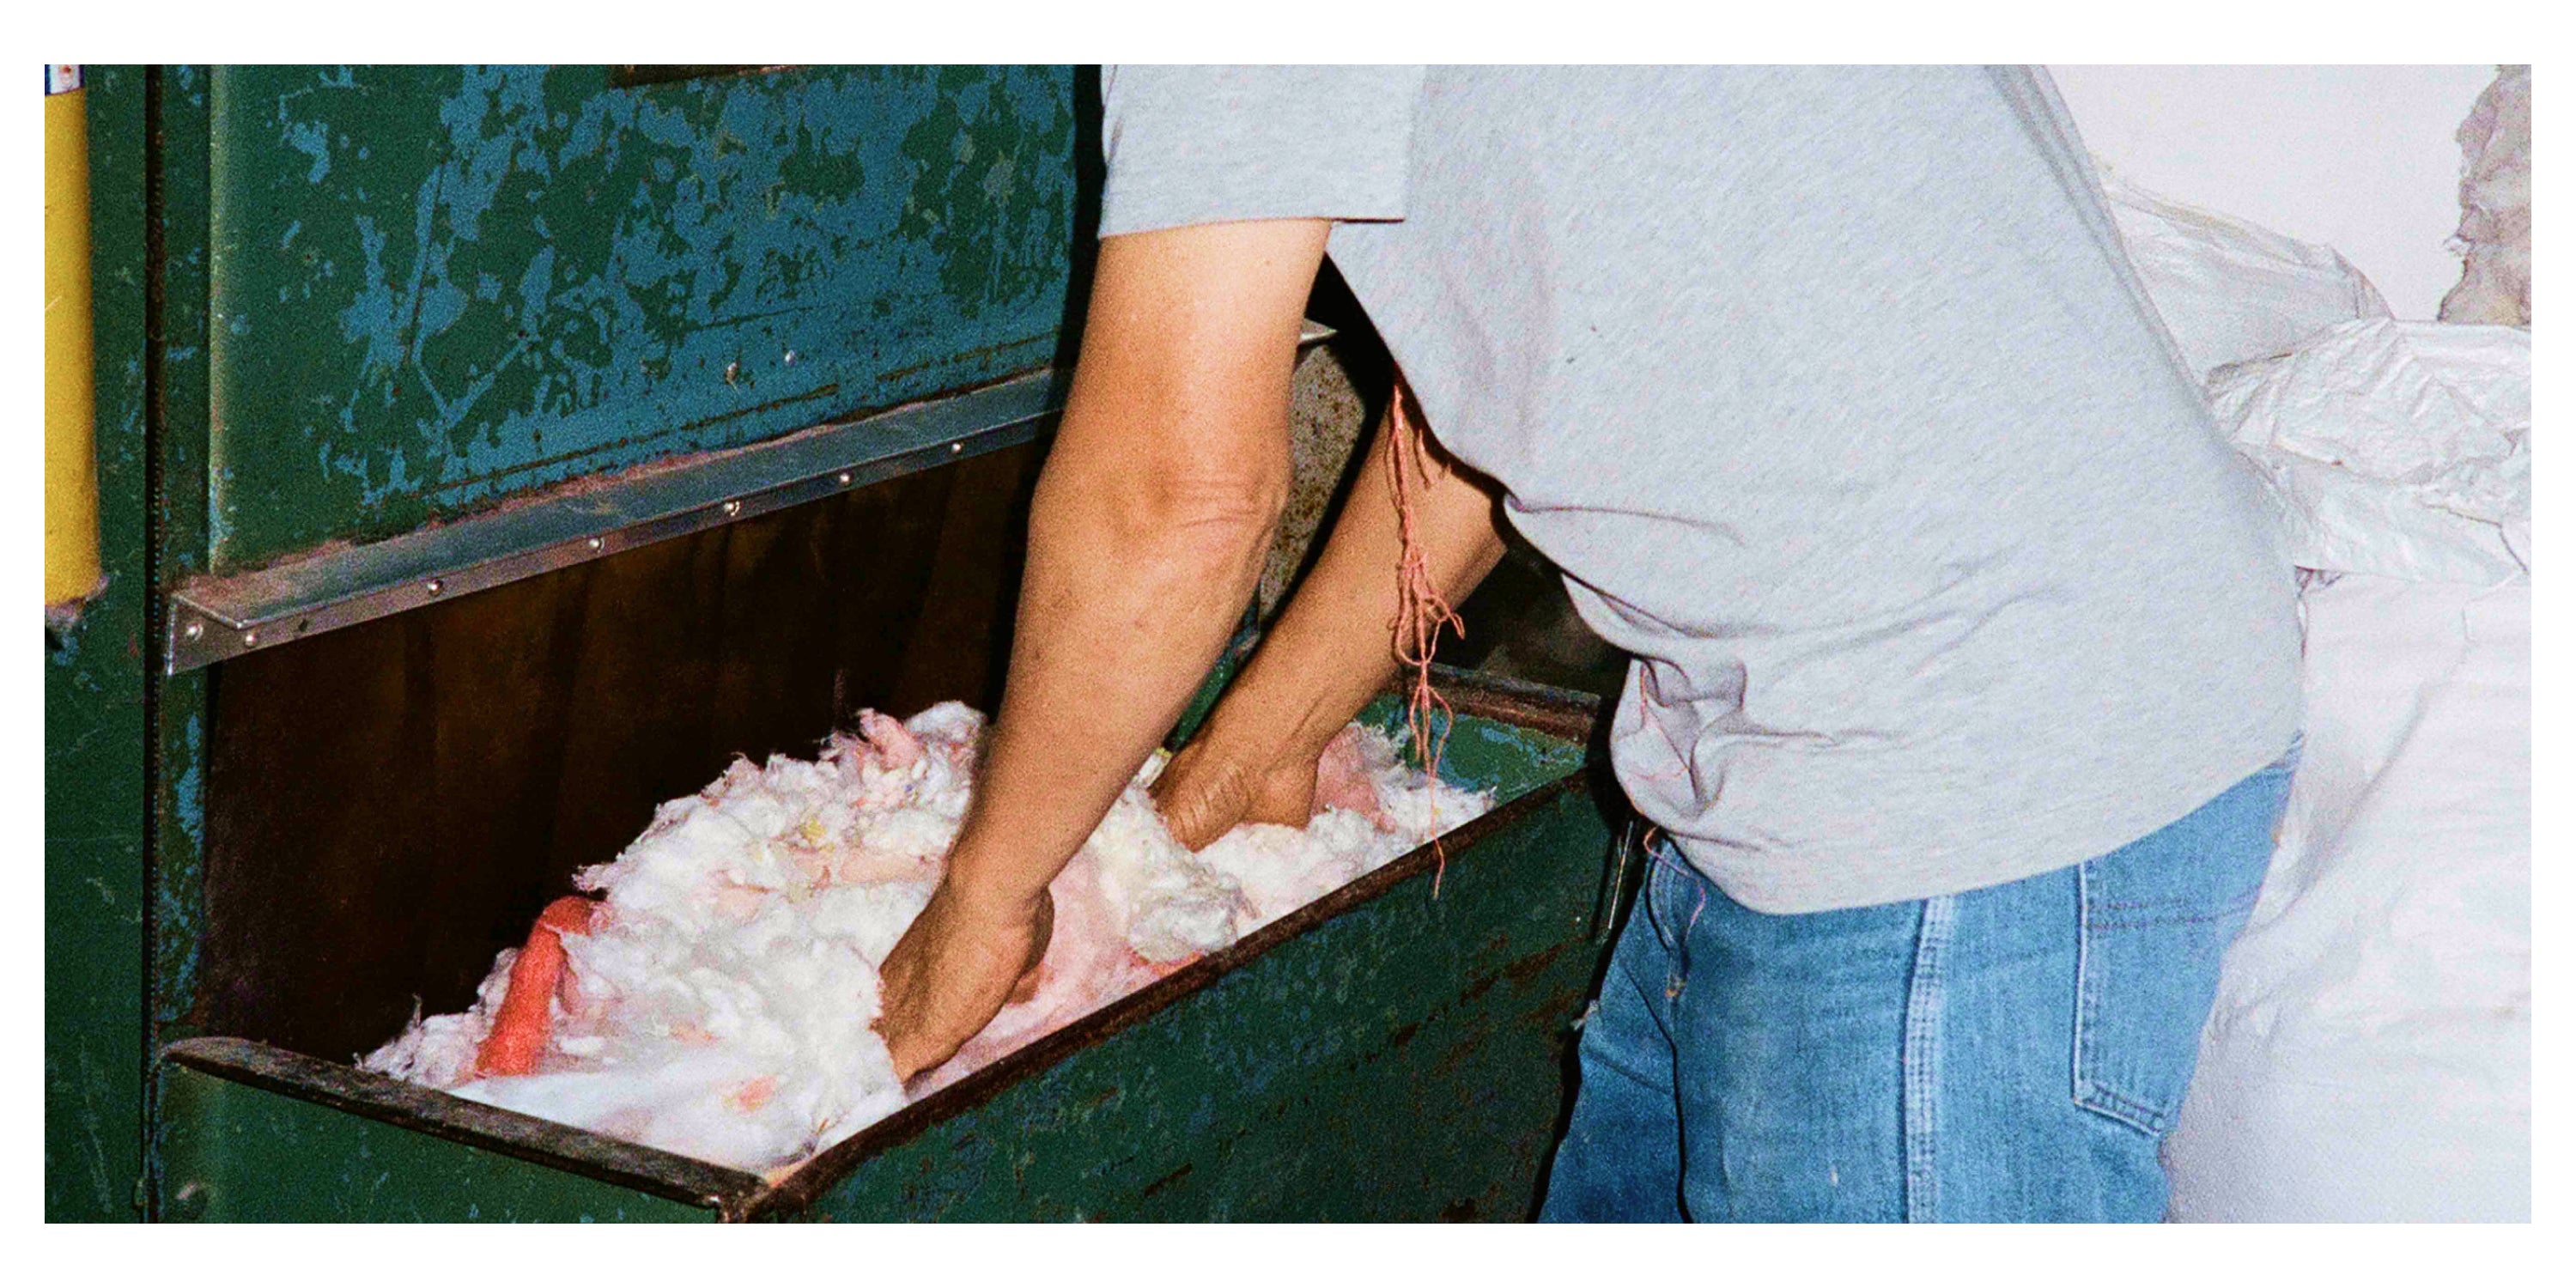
x,y
721,1003
2494,239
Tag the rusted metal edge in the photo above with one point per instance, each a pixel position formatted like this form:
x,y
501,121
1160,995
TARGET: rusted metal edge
x,y
1556,712
388,1100
214,618
1570,714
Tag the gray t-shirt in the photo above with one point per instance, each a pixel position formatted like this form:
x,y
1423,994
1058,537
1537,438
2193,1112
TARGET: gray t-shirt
x,y
1835,397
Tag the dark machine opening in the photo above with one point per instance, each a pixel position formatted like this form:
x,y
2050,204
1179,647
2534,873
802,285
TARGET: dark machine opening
x,y
392,803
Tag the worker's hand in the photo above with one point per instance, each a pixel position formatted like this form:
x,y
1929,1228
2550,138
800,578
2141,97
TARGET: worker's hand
x,y
1208,788
964,958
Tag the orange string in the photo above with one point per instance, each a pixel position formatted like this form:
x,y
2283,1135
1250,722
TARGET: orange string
x,y
1421,611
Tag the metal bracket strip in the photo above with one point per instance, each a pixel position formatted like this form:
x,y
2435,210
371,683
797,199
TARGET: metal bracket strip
x,y
214,618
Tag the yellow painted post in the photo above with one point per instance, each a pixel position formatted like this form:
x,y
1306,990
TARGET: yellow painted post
x,y
71,452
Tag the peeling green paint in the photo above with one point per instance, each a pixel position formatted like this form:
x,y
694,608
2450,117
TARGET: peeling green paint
x,y
180,344
95,734
237,1153
434,287
389,294
1404,1061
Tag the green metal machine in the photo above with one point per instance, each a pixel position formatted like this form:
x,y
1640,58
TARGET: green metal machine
x,y
450,417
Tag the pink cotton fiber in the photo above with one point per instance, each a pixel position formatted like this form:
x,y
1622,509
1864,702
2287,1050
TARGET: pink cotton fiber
x,y
720,1005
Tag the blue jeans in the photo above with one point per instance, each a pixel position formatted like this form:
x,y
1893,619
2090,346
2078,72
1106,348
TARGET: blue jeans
x,y
2013,1053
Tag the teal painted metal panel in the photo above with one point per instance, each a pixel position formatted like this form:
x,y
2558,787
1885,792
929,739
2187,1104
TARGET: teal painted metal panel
x,y
1394,1052
904,231
1403,1062
95,733
233,1152
176,427
434,287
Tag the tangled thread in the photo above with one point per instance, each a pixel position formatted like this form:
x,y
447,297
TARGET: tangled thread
x,y
1421,611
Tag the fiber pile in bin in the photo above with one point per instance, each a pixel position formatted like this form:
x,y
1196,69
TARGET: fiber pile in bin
x,y
716,999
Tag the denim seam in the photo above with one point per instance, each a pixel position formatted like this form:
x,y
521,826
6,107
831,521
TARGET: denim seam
x,y
2089,1095
2150,923
2239,899
2142,1116
1657,898
1662,877
1925,994
2083,980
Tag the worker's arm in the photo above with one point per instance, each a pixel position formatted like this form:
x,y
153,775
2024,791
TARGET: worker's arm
x,y
1146,538
1334,648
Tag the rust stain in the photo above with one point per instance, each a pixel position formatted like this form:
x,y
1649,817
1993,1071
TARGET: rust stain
x,y
1520,972
965,355
1158,1186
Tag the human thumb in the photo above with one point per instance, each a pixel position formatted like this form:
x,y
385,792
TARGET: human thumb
x,y
1200,800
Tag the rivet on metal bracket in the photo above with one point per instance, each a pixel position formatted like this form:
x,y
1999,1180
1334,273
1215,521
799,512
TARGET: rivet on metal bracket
x,y
364,583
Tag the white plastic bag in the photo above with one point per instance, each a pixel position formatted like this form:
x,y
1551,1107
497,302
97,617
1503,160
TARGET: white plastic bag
x,y
2369,1054
2400,449
2229,291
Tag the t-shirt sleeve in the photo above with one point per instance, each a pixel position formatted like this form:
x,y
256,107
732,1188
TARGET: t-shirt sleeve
x,y
1201,145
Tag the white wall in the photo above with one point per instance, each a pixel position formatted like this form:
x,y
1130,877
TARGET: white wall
x,y
2360,158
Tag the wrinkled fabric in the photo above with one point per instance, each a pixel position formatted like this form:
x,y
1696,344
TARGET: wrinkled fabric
x,y
1836,399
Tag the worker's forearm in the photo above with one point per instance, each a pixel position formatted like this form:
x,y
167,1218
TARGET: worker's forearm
x,y
1147,532
1334,646
1118,622
1168,472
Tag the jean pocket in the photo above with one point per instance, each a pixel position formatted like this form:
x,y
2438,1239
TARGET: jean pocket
x,y
2157,916
1664,876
